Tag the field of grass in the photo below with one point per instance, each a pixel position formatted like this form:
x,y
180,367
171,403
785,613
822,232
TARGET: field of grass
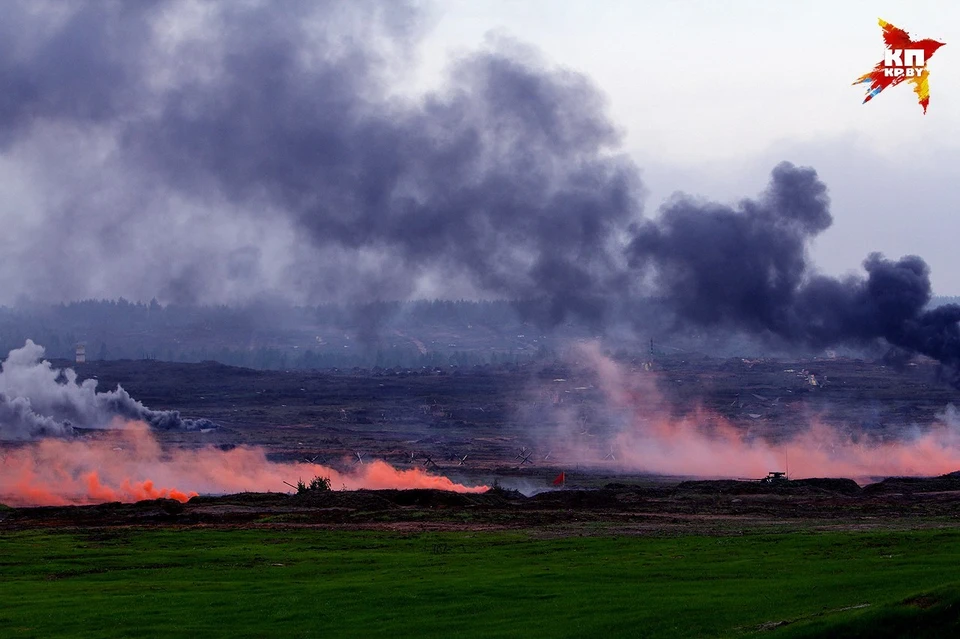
x,y
322,583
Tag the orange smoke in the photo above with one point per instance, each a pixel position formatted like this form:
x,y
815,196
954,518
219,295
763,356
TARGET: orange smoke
x,y
129,465
684,447
648,438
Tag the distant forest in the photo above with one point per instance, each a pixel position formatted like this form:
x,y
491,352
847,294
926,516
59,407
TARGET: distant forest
x,y
435,333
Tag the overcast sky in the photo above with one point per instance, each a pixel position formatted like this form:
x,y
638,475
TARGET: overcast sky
x,y
712,94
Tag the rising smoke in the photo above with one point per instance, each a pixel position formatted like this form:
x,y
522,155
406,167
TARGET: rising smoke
x,y
745,268
222,151
501,182
636,431
38,400
45,406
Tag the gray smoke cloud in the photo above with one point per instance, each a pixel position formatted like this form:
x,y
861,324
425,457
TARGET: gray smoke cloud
x,y
224,151
38,400
502,183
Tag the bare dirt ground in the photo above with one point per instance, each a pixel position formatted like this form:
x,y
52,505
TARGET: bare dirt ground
x,y
405,416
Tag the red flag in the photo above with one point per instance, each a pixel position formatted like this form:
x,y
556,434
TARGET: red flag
x,y
561,478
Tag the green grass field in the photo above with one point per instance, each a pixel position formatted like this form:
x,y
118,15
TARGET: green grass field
x,y
321,583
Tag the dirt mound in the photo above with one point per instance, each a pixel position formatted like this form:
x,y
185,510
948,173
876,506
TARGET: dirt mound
x,y
726,487
425,498
944,483
412,498
692,505
811,486
838,485
147,511
582,499
240,499
354,500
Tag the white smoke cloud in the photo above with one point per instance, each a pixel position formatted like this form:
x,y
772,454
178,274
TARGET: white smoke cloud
x,y
38,400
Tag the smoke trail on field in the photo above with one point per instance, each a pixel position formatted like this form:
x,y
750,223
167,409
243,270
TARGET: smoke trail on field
x,y
128,464
636,430
38,400
124,461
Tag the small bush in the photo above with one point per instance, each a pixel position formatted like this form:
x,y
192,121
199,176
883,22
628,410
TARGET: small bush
x,y
319,483
497,488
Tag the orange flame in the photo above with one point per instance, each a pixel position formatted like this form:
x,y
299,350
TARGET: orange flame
x,y
129,465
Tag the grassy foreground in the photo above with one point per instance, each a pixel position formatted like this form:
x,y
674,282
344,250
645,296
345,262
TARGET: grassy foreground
x,y
321,583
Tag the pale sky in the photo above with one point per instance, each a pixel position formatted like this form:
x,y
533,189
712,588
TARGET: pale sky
x,y
711,95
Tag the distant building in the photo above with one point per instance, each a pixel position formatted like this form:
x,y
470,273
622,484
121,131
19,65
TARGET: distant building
x,y
81,353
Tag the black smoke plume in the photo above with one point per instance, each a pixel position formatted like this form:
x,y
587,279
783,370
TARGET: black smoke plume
x,y
746,268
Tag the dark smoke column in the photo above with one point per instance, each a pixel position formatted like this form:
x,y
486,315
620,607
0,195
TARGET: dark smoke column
x,y
504,182
746,268
504,179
